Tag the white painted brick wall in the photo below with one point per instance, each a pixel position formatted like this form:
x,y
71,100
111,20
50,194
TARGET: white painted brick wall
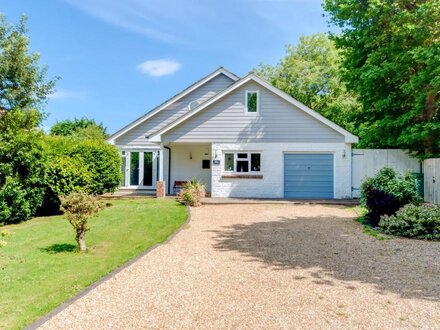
x,y
272,169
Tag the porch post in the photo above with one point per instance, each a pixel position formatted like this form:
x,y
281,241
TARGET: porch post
x,y
161,155
160,184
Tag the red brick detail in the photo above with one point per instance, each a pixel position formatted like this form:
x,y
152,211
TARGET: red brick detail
x,y
242,176
160,189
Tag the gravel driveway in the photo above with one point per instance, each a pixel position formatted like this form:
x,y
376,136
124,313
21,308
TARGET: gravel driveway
x,y
269,266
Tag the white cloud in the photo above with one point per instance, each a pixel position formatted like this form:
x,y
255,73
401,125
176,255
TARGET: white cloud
x,y
159,68
64,94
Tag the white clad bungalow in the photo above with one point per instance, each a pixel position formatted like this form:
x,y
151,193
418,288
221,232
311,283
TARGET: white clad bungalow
x,y
242,137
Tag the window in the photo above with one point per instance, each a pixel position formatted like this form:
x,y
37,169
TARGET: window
x,y
255,162
252,101
229,162
243,162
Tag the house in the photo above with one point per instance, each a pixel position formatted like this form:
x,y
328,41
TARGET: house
x,y
242,137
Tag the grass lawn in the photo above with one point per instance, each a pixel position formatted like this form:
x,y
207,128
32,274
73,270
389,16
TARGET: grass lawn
x,y
40,267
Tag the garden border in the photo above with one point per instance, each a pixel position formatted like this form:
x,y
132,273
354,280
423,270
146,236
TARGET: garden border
x,y
40,321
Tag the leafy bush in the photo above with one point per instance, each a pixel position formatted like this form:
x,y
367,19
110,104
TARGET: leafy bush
x,y
14,203
64,175
99,159
79,207
103,163
387,192
192,193
22,166
420,221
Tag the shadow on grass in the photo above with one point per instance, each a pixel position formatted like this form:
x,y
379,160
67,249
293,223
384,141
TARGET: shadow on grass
x,y
59,248
335,248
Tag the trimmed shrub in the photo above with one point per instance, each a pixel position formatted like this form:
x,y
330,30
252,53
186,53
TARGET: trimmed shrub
x,y
419,221
79,207
387,192
192,193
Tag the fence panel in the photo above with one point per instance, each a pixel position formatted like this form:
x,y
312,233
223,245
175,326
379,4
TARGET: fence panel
x,y
431,169
366,163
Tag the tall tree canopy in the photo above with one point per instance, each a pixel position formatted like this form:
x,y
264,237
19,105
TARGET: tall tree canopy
x,y
22,80
392,61
83,128
311,73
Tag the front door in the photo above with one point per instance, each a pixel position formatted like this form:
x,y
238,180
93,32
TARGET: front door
x,y
139,169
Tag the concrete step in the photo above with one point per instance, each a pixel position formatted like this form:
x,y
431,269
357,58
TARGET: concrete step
x,y
130,193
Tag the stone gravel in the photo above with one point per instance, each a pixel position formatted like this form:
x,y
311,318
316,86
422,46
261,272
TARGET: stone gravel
x,y
269,267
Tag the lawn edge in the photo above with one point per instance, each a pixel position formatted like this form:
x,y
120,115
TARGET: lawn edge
x,y
40,321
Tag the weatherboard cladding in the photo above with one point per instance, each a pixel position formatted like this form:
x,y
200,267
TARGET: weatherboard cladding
x,y
277,121
137,135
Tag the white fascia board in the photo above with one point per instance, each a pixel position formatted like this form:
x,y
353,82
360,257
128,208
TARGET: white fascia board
x,y
176,98
155,139
349,138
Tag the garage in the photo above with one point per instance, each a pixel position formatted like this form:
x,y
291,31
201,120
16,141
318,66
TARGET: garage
x,y
308,176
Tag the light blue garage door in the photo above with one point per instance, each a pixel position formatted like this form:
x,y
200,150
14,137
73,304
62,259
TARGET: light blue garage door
x,y
308,176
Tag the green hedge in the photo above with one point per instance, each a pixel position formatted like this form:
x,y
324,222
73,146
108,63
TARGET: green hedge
x,y
22,168
74,164
36,170
103,163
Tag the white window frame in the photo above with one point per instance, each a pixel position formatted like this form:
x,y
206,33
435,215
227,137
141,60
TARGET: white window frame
x,y
246,102
140,184
248,159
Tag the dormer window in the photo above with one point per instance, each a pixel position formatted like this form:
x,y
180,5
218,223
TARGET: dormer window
x,y
252,102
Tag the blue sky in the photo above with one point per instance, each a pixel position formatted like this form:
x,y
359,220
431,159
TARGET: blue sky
x,y
119,59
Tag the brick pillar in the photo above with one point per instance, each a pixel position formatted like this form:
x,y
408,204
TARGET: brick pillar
x,y
160,189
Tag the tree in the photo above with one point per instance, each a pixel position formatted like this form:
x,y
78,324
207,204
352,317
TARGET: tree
x,y
311,73
23,91
22,81
79,207
392,60
82,128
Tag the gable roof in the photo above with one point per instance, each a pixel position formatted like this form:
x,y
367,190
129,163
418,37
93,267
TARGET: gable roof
x,y
349,137
173,99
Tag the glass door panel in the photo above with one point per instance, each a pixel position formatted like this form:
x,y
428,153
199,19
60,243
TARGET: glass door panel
x,y
134,168
148,168
123,170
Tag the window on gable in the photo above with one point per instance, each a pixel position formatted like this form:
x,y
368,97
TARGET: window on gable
x,y
242,162
252,101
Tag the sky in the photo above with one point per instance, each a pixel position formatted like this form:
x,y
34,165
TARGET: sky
x,y
118,59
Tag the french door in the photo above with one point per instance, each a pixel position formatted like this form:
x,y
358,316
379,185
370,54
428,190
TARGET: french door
x,y
139,169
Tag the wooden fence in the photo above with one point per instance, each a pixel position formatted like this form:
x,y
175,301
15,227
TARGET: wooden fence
x,y
366,163
431,170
